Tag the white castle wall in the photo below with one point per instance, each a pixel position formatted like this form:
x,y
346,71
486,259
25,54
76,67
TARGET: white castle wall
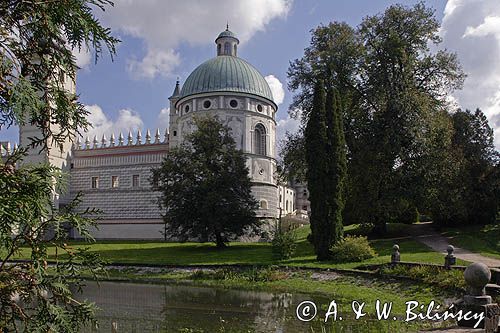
x,y
242,119
128,211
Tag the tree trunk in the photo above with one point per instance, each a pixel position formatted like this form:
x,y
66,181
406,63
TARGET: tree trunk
x,y
219,241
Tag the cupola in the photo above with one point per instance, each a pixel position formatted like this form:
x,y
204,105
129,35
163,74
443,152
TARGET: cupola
x,y
227,43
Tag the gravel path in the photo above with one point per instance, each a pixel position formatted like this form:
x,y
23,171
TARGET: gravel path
x,y
424,233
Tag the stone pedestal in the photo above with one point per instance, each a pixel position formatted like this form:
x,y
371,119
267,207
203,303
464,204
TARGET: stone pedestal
x,y
476,301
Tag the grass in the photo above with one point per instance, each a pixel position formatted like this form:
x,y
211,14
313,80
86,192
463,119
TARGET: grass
x,y
196,254
484,240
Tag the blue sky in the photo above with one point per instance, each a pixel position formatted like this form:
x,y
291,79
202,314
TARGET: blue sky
x,y
163,40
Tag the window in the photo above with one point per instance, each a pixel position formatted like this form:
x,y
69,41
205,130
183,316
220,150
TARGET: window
x,y
175,133
186,108
260,140
115,181
286,205
259,107
233,103
95,182
207,104
219,46
263,204
304,207
227,48
135,181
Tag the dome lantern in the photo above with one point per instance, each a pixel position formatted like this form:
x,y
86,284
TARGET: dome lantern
x,y
227,43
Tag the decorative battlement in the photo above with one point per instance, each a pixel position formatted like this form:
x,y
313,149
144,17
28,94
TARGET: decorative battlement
x,y
6,148
105,143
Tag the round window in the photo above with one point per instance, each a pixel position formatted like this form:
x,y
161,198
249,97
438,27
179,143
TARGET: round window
x,y
207,104
233,103
259,107
186,108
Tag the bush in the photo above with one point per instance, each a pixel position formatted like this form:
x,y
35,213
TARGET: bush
x,y
284,244
352,249
438,276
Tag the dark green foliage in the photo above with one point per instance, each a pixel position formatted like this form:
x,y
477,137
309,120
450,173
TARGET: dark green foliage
x,y
284,244
206,190
317,172
326,170
434,275
36,43
30,71
392,89
337,163
472,192
352,249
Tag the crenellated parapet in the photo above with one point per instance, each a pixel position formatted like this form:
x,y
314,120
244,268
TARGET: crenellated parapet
x,y
130,140
7,148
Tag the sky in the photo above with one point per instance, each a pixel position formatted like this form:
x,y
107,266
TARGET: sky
x,y
163,40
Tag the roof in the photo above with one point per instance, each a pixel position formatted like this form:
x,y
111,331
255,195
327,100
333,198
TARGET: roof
x,y
226,74
227,33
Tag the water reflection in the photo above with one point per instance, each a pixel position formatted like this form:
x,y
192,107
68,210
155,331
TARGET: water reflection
x,y
131,307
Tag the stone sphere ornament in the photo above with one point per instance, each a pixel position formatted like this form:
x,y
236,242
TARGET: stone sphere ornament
x,y
477,276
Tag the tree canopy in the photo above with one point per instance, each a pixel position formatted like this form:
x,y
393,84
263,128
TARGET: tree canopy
x,y
400,130
205,187
36,43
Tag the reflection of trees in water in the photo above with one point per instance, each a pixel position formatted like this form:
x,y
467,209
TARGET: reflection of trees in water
x,y
166,308
210,309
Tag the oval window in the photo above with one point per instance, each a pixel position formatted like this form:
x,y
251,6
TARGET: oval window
x,y
207,104
186,108
259,107
233,103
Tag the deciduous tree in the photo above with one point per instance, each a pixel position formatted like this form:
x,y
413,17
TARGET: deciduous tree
x,y
205,187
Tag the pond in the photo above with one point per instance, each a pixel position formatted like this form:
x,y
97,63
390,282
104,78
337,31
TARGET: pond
x,y
133,307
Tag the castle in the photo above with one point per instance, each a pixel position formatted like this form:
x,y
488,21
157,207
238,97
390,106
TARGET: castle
x,y
114,174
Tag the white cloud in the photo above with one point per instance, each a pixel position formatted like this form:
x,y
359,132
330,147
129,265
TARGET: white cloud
x,y
164,24
472,29
156,62
289,125
276,88
82,56
163,120
101,124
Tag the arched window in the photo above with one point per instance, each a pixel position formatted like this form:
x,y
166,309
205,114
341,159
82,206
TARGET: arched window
x,y
263,204
260,140
227,48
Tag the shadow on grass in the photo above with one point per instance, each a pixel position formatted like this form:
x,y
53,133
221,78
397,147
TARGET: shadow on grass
x,y
182,253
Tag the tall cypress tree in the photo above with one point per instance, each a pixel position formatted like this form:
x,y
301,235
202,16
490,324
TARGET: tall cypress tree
x,y
317,171
337,164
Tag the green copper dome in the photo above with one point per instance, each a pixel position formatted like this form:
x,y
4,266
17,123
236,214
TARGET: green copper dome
x,y
226,74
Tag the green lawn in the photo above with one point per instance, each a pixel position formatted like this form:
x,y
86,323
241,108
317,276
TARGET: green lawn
x,y
481,239
163,253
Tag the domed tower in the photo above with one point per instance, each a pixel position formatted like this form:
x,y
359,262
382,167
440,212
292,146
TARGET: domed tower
x,y
233,90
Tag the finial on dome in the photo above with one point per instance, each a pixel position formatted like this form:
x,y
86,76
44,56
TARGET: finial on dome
x,y
227,26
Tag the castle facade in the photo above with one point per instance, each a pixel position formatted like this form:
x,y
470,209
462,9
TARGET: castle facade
x,y
114,172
